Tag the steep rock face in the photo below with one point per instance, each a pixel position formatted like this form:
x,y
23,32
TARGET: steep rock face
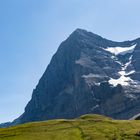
x,y
80,80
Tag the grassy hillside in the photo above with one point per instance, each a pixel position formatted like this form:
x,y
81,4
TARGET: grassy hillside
x,y
88,127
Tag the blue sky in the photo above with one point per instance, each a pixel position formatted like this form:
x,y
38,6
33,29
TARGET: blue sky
x,y
31,31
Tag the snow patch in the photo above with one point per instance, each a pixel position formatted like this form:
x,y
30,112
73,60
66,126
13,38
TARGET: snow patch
x,y
126,65
90,75
121,50
95,107
119,62
93,78
131,72
124,80
131,57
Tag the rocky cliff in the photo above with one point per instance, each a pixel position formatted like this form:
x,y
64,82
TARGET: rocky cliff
x,y
88,74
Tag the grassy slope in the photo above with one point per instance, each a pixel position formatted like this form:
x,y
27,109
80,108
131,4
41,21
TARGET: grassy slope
x,y
88,127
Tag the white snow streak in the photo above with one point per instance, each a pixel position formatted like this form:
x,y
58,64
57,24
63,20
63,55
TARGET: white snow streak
x,y
124,79
121,50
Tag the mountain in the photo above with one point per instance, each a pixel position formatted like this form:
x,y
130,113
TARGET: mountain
x,y
87,127
88,74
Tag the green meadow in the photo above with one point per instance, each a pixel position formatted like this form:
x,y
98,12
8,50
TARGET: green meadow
x,y
87,127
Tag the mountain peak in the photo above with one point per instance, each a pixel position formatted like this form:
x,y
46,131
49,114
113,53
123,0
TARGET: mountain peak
x,y
93,37
82,31
79,80
79,30
85,36
85,33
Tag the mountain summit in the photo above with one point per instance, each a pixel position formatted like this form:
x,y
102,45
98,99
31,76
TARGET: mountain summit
x,y
88,74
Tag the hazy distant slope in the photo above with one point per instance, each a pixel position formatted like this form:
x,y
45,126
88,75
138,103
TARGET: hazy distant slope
x,y
88,127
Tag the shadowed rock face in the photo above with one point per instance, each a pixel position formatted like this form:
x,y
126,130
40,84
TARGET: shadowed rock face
x,y
76,81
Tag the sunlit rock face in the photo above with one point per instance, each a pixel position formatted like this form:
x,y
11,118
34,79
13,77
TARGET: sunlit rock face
x,y
88,74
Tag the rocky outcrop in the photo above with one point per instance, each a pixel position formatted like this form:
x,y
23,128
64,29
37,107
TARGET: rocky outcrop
x,y
81,77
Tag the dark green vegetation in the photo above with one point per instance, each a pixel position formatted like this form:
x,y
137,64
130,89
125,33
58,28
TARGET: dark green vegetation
x,y
87,127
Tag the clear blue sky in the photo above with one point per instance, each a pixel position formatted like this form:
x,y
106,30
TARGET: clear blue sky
x,y
31,31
